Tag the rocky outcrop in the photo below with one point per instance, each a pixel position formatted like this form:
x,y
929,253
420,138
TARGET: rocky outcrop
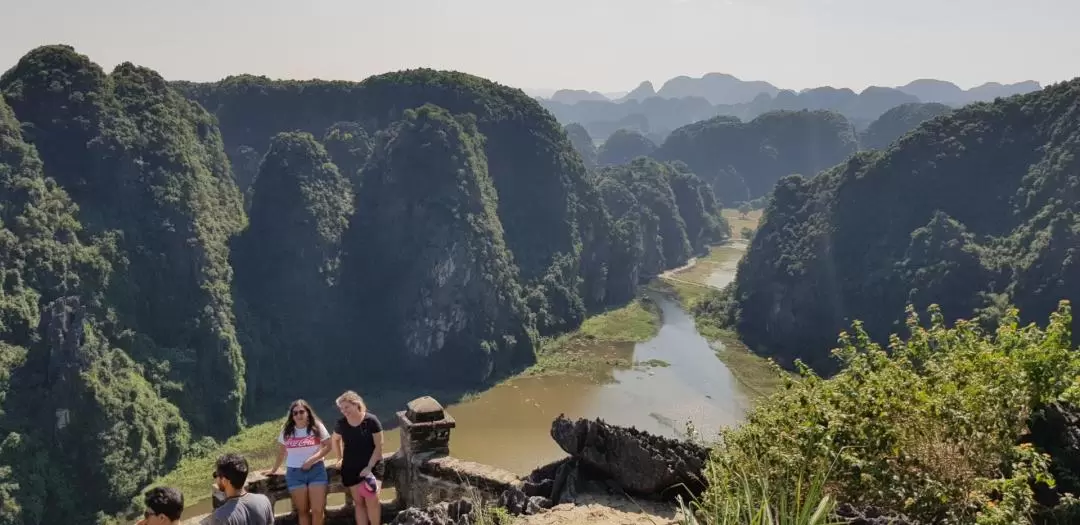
x,y
518,503
871,516
1056,431
640,463
464,512
444,513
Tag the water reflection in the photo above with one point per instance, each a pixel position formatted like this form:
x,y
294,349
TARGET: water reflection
x,y
509,425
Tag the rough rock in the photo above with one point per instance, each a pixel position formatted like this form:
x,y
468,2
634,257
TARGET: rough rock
x,y
641,463
871,516
514,501
517,503
565,486
538,488
456,513
546,471
537,504
1056,431
62,325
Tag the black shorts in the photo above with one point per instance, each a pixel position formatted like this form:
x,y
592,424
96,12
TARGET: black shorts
x,y
350,474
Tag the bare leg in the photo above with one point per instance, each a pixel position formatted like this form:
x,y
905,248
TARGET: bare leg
x,y
300,503
317,496
359,505
374,507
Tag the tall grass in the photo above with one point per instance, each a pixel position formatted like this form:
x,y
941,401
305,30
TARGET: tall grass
x,y
739,496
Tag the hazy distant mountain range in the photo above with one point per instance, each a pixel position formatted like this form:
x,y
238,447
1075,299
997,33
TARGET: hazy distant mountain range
x,y
721,88
683,100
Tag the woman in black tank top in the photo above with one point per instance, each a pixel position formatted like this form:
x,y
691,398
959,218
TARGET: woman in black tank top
x,y
358,441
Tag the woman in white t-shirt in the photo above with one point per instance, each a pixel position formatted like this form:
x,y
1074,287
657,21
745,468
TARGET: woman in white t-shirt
x,y
303,443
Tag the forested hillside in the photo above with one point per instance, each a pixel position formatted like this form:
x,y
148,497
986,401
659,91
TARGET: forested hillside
x,y
897,122
622,147
167,269
972,211
81,278
743,160
583,144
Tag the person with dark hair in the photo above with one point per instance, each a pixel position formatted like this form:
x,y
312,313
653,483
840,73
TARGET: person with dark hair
x,y
241,507
302,445
164,506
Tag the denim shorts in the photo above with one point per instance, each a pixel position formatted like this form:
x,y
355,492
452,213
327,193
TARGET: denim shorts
x,y
296,478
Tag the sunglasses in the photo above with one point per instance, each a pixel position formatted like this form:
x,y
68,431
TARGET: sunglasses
x,y
298,412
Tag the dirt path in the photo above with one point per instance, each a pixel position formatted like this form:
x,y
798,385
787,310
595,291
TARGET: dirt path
x,y
604,510
669,274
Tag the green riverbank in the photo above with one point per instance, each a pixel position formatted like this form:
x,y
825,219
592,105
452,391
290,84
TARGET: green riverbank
x,y
576,353
689,286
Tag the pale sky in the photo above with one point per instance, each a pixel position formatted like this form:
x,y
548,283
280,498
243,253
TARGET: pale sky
x,y
603,45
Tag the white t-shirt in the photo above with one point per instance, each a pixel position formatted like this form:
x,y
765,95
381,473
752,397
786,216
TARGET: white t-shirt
x,y
300,446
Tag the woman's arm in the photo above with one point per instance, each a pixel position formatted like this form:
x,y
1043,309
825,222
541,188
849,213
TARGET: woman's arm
x,y
377,454
324,449
279,461
338,447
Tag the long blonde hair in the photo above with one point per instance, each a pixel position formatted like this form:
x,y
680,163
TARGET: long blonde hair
x,y
352,397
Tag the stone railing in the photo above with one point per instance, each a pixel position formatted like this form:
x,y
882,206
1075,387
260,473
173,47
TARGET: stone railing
x,y
422,471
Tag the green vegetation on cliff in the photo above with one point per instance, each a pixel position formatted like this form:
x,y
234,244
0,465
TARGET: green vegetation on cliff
x,y
623,146
349,145
545,206
897,122
432,282
972,211
291,260
583,144
743,161
72,408
648,182
146,169
662,214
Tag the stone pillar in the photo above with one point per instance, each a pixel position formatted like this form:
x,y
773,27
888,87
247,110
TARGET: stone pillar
x,y
425,435
425,430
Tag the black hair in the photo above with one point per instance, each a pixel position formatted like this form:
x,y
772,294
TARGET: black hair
x,y
165,500
234,468
289,430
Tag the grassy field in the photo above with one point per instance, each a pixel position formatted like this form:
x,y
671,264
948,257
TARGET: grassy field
x,y
738,222
192,475
602,343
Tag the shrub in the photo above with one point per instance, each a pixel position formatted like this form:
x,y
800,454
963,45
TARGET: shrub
x,y
928,427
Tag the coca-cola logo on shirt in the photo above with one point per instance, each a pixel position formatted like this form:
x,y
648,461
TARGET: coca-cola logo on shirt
x,y
297,442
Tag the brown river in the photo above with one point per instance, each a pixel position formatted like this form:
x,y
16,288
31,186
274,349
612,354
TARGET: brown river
x,y
508,425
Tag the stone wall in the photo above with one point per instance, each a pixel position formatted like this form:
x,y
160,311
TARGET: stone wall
x,y
422,471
